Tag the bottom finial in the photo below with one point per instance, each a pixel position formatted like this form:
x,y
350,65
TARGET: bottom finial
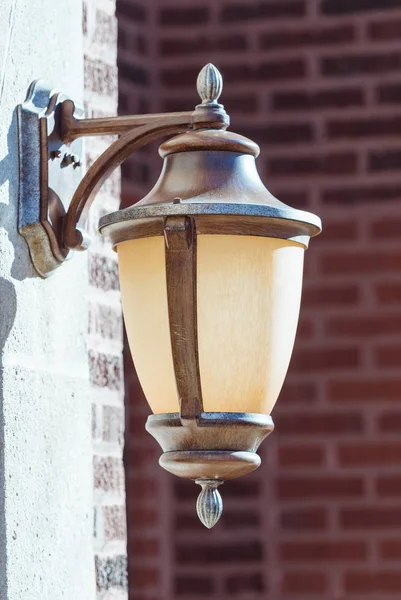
x,y
209,504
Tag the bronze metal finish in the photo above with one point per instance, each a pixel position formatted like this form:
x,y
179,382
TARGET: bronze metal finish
x,y
181,296
215,447
209,184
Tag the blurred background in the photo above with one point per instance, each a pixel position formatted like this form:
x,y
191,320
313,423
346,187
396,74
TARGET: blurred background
x,y
317,84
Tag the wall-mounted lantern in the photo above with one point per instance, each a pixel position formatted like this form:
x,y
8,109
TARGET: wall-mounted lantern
x,y
210,269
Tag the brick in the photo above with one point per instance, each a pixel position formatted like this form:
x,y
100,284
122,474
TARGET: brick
x,y
105,321
248,519
319,487
388,356
390,422
385,30
111,572
389,485
134,43
368,454
147,547
390,549
359,262
389,93
290,133
361,194
323,551
133,73
364,518
142,519
339,231
325,359
198,44
246,584
305,329
361,327
294,198
105,30
113,425
342,7
115,527
304,519
100,77
304,582
339,295
377,389
321,423
356,64
219,553
307,37
296,455
193,584
178,17
361,128
384,160
262,10
141,486
368,582
108,474
341,98
133,11
147,578
331,164
103,273
105,370
136,424
135,171
389,293
386,228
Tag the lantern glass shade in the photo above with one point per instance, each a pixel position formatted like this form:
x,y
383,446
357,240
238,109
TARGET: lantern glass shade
x,y
248,299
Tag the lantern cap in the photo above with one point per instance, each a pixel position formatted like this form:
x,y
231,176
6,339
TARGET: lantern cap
x,y
209,139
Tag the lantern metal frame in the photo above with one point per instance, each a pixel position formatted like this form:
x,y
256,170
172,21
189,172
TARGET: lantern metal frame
x,y
204,446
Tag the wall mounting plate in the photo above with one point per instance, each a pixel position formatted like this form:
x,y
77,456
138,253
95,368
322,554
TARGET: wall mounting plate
x,y
50,172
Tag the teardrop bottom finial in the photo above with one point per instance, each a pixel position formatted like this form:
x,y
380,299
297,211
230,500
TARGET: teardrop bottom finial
x,y
209,84
209,504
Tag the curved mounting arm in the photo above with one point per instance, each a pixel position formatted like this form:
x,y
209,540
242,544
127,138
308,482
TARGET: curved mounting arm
x,y
74,236
140,130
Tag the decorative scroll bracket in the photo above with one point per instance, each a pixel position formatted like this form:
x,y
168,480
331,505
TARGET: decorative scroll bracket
x,y
50,171
53,198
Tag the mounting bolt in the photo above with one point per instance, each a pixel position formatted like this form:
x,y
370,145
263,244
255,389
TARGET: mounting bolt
x,y
71,159
55,154
76,161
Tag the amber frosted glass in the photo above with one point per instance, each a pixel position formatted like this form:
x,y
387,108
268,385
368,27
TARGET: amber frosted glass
x,y
144,297
248,292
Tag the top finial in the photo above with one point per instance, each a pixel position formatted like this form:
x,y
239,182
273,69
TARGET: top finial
x,y
209,84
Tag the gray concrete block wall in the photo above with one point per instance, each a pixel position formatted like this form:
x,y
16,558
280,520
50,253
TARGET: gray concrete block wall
x,y
45,418
55,334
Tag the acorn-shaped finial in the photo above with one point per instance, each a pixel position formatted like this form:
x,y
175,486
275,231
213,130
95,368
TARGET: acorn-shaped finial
x,y
209,84
209,505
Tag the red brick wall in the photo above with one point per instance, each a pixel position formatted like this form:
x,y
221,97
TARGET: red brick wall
x,y
318,86
105,320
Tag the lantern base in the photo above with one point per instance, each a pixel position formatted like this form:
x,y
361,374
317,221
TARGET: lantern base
x,y
210,450
216,464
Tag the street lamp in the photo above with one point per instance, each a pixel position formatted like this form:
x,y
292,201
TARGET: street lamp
x,y
210,270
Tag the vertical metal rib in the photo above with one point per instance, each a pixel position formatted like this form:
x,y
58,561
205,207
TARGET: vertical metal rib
x,y
180,239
